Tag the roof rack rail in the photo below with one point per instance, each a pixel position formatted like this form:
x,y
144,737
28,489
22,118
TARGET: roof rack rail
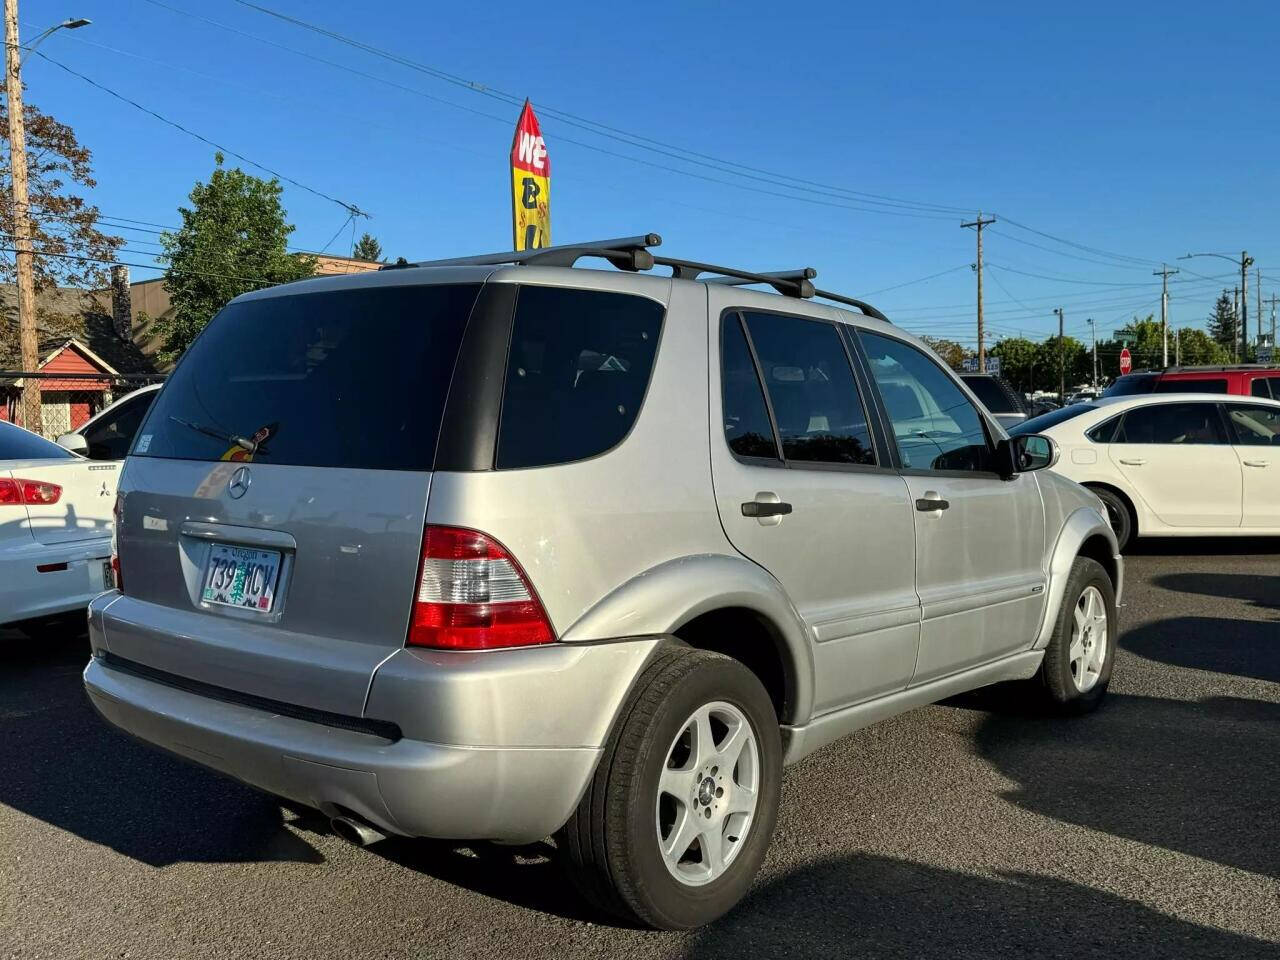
x,y
632,254
1220,368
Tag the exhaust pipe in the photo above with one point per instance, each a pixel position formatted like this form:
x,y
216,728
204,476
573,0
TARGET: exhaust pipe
x,y
356,832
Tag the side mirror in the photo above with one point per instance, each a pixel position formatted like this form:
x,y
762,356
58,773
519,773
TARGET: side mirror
x,y
1025,453
74,442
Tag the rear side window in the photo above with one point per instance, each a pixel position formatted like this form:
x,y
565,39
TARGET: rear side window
x,y
19,444
1261,387
1132,383
1174,423
109,438
815,400
577,372
1206,385
350,378
1104,432
1255,426
747,429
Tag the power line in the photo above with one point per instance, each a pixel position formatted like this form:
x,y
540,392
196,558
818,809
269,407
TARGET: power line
x,y
349,207
898,286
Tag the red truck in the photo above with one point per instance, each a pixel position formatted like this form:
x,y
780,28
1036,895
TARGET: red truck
x,y
1249,380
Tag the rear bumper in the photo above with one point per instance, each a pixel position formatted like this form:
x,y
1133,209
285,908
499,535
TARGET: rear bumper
x,y
26,593
496,746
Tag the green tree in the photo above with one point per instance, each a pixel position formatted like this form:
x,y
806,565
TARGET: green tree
x,y
1074,359
70,250
1197,347
952,353
1222,323
1018,363
368,248
232,240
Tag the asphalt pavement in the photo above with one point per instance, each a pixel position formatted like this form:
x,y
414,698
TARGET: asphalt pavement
x,y
968,829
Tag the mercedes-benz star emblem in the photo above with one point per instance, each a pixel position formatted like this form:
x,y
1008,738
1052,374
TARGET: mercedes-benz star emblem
x,y
238,485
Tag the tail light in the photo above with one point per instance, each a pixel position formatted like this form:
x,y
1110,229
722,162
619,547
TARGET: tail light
x,y
472,595
117,514
28,492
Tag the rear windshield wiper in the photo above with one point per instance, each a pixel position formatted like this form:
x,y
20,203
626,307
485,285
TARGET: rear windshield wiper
x,y
242,442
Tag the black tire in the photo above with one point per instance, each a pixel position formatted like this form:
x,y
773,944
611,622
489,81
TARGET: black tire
x,y
610,844
1054,686
1119,513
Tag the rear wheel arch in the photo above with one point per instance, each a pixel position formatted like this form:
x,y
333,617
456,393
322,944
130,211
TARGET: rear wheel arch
x,y
751,638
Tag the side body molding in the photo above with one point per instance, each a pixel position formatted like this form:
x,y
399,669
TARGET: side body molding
x,y
663,598
1082,524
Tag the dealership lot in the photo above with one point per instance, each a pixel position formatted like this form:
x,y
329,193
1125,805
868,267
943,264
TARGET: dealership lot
x,y
1147,829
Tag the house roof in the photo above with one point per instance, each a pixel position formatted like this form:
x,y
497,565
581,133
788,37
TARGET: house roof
x,y
96,331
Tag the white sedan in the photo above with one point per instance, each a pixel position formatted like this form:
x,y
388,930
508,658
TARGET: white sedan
x,y
1173,465
55,529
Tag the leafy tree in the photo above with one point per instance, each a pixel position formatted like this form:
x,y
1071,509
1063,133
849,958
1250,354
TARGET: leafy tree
x,y
1222,323
1018,363
368,248
952,353
1074,358
232,240
63,224
1197,347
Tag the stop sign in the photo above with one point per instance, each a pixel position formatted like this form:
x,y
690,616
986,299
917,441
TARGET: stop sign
x,y
1126,361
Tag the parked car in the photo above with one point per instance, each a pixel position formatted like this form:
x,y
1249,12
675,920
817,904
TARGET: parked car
x,y
1244,380
55,531
109,434
516,548
1174,465
1005,403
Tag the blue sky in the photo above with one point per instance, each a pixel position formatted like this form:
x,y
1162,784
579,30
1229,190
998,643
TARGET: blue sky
x,y
1144,130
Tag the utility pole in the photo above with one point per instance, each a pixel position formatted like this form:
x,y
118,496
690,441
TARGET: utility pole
x,y
1246,262
1062,363
27,338
1093,332
1235,308
982,349
1177,348
1163,273
1272,301
1257,282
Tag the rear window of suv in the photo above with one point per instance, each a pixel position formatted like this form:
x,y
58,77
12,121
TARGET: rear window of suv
x,y
352,378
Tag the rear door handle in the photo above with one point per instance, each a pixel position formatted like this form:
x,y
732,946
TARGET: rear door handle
x,y
1132,463
765,508
931,503
1256,463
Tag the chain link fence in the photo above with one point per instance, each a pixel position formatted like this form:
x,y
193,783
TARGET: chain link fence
x,y
63,402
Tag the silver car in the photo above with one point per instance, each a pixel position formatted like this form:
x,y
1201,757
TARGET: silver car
x,y
502,548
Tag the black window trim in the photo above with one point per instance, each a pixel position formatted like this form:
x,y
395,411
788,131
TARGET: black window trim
x,y
982,417
883,462
1102,423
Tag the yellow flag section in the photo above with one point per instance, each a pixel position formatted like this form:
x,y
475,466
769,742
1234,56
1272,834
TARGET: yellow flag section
x,y
530,184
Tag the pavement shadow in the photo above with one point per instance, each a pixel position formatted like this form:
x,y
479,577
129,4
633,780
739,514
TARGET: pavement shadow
x,y
1259,589
873,906
61,763
1249,648
1197,777
1203,546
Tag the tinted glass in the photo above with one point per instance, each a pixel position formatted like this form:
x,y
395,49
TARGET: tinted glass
x,y
1051,419
1189,423
936,425
109,438
993,395
1104,432
815,401
18,444
577,373
1132,383
1255,426
1261,387
746,418
1195,385
351,378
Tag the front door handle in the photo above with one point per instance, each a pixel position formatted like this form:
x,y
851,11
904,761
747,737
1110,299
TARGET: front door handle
x,y
1136,462
1256,463
765,508
932,503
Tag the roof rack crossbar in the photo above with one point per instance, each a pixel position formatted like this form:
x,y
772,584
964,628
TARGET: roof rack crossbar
x,y
803,273
788,283
623,249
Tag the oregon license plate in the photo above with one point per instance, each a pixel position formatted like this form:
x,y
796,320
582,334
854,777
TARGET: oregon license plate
x,y
241,577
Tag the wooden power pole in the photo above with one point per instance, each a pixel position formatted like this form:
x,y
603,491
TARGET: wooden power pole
x,y
982,349
1163,273
27,338
1062,362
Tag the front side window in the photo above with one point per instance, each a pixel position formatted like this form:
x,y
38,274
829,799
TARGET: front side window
x,y
1194,385
747,429
577,372
1172,423
1254,426
815,401
110,436
935,424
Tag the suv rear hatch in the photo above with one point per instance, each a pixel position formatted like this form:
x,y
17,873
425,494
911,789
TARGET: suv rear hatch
x,y
273,504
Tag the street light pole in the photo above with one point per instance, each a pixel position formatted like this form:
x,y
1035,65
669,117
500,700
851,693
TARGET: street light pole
x,y
24,256
1062,363
1242,313
1093,333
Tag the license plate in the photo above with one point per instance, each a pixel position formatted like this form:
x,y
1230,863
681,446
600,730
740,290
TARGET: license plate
x,y
108,576
241,577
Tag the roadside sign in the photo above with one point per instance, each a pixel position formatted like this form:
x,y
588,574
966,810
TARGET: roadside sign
x,y
1126,361
1124,333
1264,354
970,365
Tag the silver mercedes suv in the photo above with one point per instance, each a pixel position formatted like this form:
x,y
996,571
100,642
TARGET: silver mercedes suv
x,y
503,548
